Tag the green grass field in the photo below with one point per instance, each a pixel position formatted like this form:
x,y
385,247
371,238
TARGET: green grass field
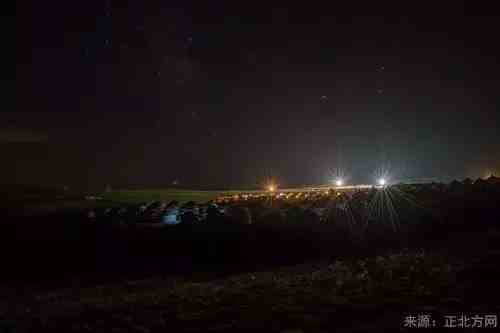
x,y
166,195
137,196
47,202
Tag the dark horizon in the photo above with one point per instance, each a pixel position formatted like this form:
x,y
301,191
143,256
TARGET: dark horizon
x,y
222,96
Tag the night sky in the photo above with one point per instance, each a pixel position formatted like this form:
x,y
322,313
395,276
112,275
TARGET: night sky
x,y
223,96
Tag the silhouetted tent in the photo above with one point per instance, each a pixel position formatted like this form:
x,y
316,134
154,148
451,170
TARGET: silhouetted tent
x,y
455,185
214,214
189,205
189,218
480,182
467,182
171,215
435,186
142,207
493,180
173,203
154,205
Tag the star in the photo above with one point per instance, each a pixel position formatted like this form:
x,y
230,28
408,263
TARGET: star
x,y
194,115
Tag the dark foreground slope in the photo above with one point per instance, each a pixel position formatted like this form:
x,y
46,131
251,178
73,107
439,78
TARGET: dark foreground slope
x,y
62,273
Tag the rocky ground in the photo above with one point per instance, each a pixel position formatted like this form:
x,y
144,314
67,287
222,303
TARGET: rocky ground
x,y
372,293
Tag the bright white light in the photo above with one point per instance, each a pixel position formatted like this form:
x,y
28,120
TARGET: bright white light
x,y
382,181
339,182
271,188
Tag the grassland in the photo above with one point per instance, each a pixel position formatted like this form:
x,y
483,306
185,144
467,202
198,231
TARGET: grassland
x,y
44,202
137,196
21,199
166,195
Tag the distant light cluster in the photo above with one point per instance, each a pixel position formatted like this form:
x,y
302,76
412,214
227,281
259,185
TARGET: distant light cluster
x,y
339,183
